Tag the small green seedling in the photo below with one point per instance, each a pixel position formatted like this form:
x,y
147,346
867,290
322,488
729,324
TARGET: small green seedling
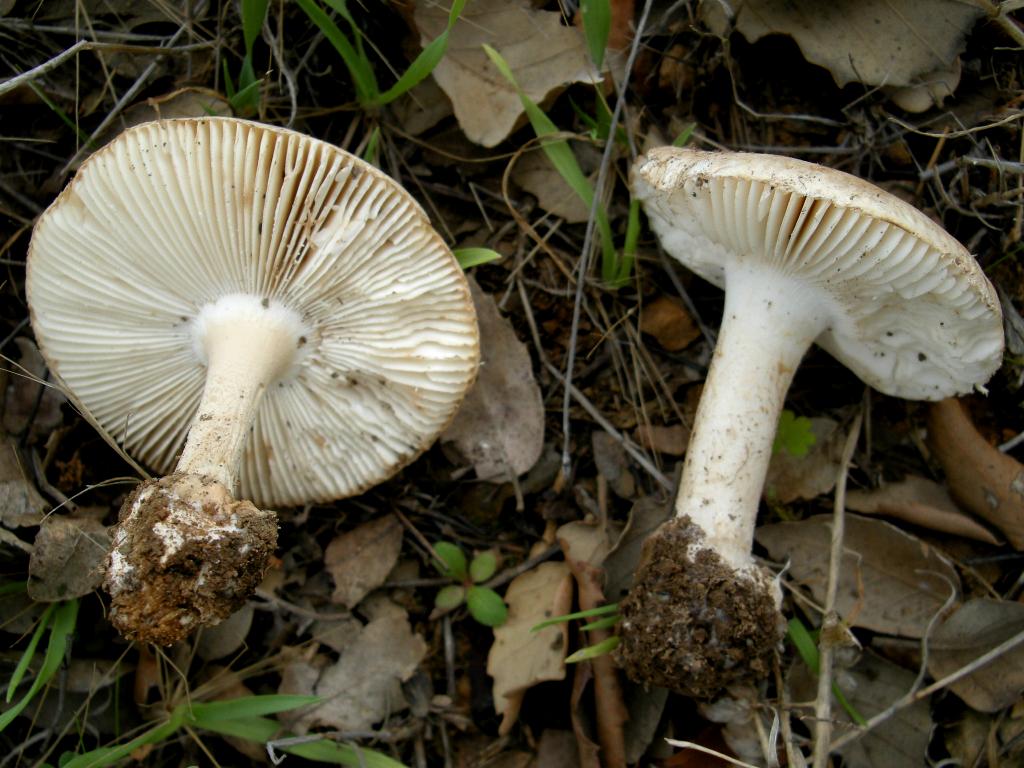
x,y
484,604
795,435
609,617
474,257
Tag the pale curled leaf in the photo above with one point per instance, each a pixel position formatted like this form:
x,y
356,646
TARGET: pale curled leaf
x,y
500,426
889,581
519,658
543,53
875,42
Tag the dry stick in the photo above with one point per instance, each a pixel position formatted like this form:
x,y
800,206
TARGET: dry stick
x,y
589,407
588,240
88,45
125,100
831,623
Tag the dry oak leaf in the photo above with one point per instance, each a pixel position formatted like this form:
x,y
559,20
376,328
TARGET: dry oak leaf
x,y
806,477
365,685
973,630
889,581
535,174
919,501
360,560
500,425
519,657
875,42
67,558
667,320
543,53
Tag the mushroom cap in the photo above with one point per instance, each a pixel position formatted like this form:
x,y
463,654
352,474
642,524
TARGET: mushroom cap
x,y
910,311
173,215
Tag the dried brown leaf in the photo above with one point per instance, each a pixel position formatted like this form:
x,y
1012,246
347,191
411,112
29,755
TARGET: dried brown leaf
x,y
519,657
667,320
67,557
360,560
811,475
365,685
975,628
922,502
889,581
543,53
500,426
535,173
875,42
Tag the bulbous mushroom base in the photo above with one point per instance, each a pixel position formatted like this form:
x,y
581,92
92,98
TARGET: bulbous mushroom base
x,y
691,622
185,554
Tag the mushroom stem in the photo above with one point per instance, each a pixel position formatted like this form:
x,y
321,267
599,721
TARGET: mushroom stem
x,y
247,345
767,326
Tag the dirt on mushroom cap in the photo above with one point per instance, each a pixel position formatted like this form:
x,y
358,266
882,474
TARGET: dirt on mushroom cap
x,y
692,624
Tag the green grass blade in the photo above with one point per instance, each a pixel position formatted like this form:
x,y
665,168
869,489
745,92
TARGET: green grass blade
x,y
372,152
605,623
62,626
325,751
593,651
247,706
684,136
105,756
30,651
474,257
601,610
358,66
564,161
253,14
428,58
597,24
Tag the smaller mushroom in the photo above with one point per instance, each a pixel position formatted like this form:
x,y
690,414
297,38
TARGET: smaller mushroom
x,y
805,254
273,309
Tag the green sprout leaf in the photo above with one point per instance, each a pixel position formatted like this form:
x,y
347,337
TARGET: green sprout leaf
x,y
453,560
601,610
474,257
449,597
486,606
483,567
593,651
794,436
597,23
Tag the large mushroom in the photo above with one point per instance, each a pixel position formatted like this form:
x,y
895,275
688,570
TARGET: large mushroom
x,y
273,309
805,254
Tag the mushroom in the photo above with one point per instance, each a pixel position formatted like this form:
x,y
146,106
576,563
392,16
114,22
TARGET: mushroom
x,y
272,308
806,254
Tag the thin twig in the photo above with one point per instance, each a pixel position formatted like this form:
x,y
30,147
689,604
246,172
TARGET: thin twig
x,y
89,45
831,623
913,697
588,241
628,445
